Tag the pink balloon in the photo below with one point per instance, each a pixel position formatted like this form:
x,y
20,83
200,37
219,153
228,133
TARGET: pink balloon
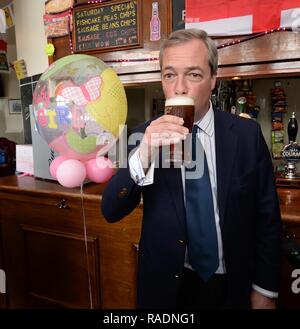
x,y
71,173
54,165
99,170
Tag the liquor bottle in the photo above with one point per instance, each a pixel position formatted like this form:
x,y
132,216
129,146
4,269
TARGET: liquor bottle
x,y
292,128
155,23
291,151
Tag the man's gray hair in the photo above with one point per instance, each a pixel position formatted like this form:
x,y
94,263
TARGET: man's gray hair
x,y
182,36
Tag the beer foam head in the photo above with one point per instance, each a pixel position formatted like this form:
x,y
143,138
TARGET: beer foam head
x,y
179,100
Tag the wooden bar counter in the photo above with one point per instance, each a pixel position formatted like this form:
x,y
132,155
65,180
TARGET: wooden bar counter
x,y
290,271
289,199
44,247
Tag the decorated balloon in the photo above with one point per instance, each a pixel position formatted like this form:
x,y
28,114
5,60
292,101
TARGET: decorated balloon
x,y
79,104
79,107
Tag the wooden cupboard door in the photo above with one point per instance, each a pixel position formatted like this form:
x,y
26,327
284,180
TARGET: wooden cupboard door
x,y
48,267
61,268
59,256
118,257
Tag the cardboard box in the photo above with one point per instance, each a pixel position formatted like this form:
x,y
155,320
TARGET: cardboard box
x,y
42,153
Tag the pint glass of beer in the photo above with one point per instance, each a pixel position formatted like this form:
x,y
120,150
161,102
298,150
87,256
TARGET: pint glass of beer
x,y
184,107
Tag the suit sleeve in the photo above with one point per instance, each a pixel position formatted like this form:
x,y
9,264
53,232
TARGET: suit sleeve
x,y
121,196
268,226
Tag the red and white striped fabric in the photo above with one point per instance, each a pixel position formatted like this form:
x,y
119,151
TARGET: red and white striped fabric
x,y
237,17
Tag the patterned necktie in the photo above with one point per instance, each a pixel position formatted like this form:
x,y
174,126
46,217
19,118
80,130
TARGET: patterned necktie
x,y
202,234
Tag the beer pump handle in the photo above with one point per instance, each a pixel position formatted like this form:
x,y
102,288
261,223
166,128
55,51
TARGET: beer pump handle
x,y
292,128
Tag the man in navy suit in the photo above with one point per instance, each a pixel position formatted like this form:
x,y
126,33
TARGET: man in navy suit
x,y
244,201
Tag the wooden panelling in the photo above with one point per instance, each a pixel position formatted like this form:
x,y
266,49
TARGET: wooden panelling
x,y
289,205
289,295
44,247
140,79
275,54
290,212
263,70
58,265
278,46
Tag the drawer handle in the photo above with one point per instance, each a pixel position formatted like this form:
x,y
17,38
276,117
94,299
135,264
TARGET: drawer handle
x,y
62,204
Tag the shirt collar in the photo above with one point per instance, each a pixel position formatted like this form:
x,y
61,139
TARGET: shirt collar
x,y
206,124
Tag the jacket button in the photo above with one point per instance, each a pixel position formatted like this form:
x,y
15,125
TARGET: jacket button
x,y
123,193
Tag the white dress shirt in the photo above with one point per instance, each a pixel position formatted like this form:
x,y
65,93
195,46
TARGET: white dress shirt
x,y
206,134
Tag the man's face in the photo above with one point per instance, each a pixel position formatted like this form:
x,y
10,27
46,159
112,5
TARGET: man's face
x,y
186,71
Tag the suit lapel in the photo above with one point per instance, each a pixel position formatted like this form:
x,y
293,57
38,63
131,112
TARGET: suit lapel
x,y
226,143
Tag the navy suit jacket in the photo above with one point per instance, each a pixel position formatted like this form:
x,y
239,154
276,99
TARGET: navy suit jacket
x,y
249,217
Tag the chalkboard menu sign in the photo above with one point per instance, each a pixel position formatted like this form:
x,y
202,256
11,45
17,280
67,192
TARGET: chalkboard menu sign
x,y
105,26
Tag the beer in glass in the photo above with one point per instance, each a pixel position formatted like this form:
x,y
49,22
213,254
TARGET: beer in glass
x,y
183,107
